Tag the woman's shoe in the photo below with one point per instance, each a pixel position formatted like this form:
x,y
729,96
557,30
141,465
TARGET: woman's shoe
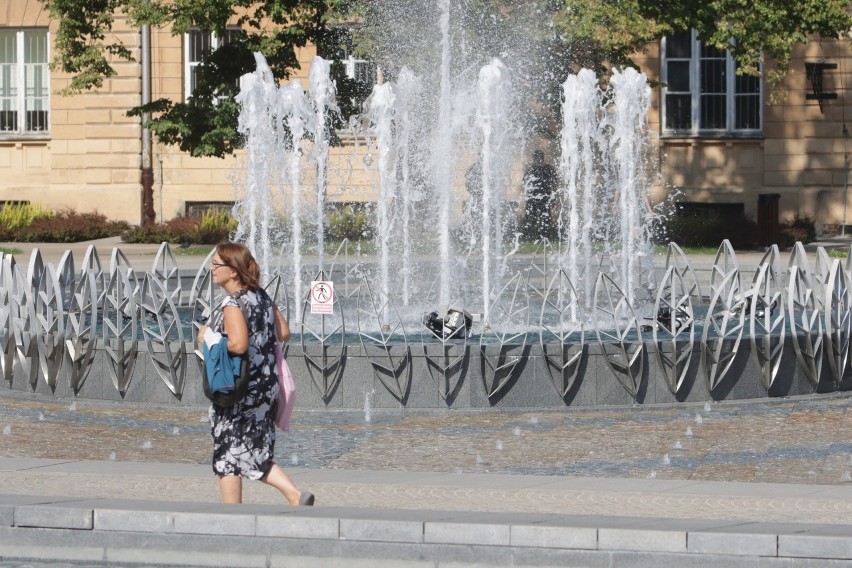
x,y
306,499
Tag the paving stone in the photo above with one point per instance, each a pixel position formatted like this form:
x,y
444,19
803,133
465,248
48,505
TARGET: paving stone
x,y
554,537
748,544
53,517
639,539
468,533
381,530
298,527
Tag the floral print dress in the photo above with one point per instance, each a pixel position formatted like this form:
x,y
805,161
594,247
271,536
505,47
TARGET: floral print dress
x,y
244,434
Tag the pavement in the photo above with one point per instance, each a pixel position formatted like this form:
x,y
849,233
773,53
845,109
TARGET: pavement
x,y
750,483
744,483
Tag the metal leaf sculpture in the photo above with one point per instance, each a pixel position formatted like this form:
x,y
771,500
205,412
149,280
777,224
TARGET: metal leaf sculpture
x,y
724,264
7,334
50,336
766,321
346,270
447,366
618,334
279,295
92,263
726,318
675,318
838,305
506,327
81,322
24,325
676,258
119,260
201,284
325,370
804,310
35,269
847,266
821,268
204,303
165,270
539,269
384,341
799,258
163,334
562,319
67,278
120,328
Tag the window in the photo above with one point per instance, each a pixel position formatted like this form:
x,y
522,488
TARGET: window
x,y
24,62
360,69
340,47
702,92
197,44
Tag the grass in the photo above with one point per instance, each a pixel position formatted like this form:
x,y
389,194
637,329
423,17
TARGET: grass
x,y
662,249
194,250
838,253
7,250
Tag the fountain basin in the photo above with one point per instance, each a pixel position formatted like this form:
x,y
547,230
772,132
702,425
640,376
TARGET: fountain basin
x,y
465,385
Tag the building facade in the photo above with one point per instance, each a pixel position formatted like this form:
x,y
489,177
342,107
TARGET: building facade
x,y
721,139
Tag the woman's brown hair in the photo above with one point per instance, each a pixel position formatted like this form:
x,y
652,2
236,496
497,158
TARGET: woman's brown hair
x,y
239,257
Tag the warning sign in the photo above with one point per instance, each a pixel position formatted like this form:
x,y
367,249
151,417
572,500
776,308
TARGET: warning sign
x,y
322,297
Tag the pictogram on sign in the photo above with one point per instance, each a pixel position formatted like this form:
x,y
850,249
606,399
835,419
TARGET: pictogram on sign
x,y
322,297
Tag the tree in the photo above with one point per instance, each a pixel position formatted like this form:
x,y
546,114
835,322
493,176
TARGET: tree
x,y
752,30
206,123
546,39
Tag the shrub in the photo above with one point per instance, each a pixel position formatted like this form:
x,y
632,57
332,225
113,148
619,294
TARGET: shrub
x,y
65,226
209,229
176,231
349,222
215,227
708,230
800,228
16,215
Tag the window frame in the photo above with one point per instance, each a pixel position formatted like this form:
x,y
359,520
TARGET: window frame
x,y
695,93
20,73
215,43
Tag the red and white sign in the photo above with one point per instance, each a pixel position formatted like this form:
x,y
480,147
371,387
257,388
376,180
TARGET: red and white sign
x,y
322,297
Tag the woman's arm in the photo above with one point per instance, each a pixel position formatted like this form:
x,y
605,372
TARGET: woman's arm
x,y
236,329
282,328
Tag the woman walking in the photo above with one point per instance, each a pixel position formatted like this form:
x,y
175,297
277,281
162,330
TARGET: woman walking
x,y
244,434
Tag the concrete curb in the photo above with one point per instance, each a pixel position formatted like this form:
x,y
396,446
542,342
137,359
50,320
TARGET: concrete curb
x,y
114,531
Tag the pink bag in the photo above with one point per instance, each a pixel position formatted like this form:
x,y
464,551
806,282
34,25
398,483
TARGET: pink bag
x,y
286,391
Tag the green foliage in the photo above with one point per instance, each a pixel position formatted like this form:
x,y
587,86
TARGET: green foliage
x,y
206,124
66,226
349,222
751,30
215,226
80,44
800,228
16,215
573,33
707,231
210,228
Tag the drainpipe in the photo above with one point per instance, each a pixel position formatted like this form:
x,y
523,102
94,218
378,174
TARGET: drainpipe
x,y
148,215
845,178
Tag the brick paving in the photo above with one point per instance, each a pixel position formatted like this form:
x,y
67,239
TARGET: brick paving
x,y
794,440
382,462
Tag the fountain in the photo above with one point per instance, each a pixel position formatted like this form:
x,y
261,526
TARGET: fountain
x,y
444,309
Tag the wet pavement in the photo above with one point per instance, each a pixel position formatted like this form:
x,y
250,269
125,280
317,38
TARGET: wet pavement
x,y
792,440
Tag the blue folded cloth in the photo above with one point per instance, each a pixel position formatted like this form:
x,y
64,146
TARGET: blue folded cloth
x,y
222,367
